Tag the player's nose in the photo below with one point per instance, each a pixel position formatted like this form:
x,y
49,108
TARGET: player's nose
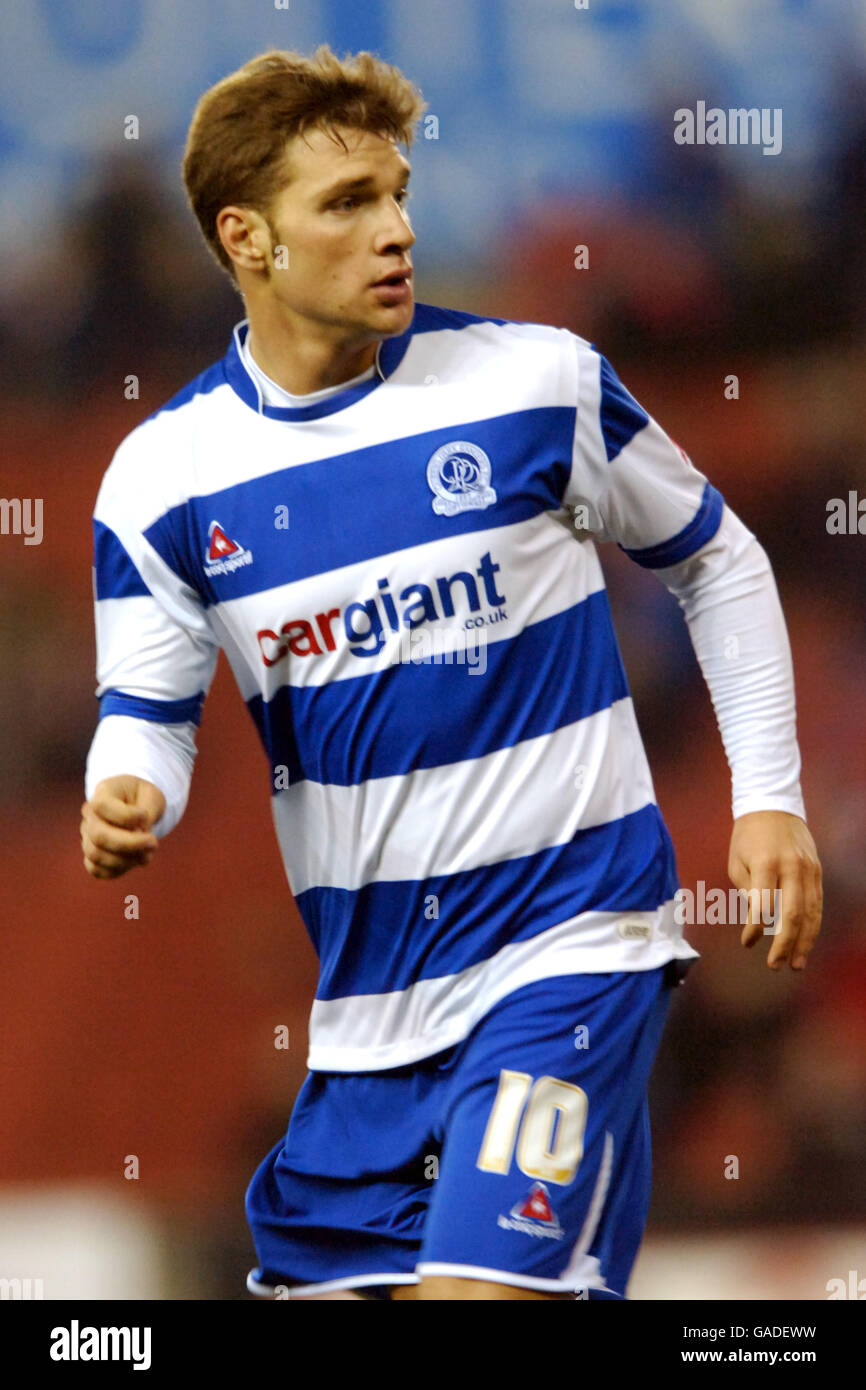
x,y
395,230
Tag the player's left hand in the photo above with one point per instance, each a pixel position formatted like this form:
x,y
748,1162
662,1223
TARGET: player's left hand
x,y
769,850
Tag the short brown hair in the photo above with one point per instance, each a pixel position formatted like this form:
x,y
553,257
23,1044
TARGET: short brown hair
x,y
240,128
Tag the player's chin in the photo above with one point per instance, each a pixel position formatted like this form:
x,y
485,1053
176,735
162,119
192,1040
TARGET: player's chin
x,y
393,314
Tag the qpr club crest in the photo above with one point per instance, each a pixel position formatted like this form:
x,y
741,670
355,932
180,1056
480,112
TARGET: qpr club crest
x,y
459,475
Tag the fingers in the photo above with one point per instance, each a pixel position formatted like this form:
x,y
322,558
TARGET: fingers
x,y
110,850
151,801
801,903
792,901
811,925
795,888
761,885
751,933
774,851
109,807
97,870
742,879
106,835
106,859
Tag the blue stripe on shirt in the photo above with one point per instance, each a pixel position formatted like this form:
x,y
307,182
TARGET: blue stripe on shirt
x,y
155,711
620,415
410,716
530,453
116,575
381,937
209,380
702,527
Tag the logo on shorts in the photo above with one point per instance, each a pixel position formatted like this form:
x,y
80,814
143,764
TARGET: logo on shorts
x,y
459,475
534,1216
223,555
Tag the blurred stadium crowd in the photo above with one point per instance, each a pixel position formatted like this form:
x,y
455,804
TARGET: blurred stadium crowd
x,y
153,1034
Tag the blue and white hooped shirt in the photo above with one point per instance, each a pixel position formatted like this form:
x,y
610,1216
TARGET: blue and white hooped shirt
x,y
404,578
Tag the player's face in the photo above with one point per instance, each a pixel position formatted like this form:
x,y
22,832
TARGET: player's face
x,y
342,220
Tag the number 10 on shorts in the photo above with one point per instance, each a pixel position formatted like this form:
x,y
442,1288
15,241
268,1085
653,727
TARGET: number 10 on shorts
x,y
548,1128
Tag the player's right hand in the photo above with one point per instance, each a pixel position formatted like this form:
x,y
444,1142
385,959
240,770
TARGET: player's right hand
x,y
116,824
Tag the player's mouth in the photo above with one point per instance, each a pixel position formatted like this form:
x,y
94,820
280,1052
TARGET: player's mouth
x,y
395,288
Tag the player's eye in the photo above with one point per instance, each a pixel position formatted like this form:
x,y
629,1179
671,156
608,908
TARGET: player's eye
x,y
402,196
346,204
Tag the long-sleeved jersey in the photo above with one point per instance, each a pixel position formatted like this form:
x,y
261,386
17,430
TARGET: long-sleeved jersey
x,y
404,578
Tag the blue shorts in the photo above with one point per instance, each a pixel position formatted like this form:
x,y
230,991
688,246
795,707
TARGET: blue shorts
x,y
521,1155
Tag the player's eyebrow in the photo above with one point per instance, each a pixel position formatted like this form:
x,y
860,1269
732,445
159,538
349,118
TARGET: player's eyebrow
x,y
359,184
348,186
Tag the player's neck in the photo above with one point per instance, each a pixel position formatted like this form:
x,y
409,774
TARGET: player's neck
x,y
300,356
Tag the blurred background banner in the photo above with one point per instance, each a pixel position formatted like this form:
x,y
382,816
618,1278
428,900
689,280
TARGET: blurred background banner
x,y
154,1028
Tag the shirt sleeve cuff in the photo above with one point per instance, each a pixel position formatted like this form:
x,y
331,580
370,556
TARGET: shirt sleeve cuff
x,y
755,801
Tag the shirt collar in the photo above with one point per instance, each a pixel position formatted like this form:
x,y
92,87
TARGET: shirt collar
x,y
274,394
389,354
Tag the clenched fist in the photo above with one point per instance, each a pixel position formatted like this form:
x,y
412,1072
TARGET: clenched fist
x,y
116,823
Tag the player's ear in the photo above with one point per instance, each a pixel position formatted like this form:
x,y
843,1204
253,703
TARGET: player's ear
x,y
245,237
